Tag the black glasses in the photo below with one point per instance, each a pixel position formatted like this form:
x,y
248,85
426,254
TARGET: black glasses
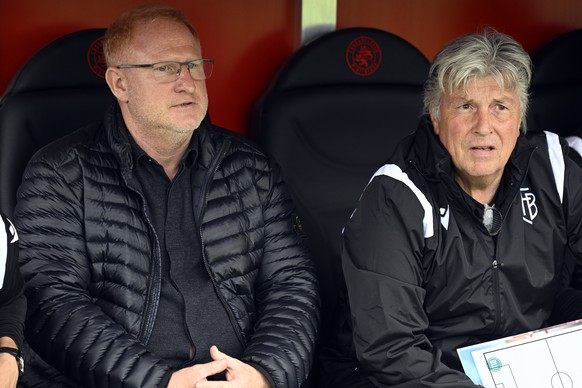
x,y
199,69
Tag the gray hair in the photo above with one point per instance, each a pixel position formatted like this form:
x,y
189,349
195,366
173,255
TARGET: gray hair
x,y
489,53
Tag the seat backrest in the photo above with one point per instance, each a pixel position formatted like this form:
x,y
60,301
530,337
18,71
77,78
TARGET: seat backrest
x,y
556,88
330,118
556,96
58,90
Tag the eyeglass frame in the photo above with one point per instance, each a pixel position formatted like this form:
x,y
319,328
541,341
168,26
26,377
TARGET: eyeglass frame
x,y
179,71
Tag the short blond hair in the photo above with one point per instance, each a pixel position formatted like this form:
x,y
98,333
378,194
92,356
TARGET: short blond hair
x,y
119,33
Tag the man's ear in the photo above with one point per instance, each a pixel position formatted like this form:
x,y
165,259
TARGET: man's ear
x,y
117,83
519,128
435,123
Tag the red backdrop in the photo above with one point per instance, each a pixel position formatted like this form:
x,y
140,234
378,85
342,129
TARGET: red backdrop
x,y
251,39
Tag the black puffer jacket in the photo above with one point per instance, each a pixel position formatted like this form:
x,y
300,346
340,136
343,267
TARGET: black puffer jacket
x,y
93,283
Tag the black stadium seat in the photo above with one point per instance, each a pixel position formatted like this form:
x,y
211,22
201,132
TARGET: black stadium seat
x,y
556,97
330,118
556,88
58,90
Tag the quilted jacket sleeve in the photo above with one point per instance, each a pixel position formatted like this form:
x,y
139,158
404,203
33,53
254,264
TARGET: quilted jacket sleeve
x,y
64,326
286,293
383,246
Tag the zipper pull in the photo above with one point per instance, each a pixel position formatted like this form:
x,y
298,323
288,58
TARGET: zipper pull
x,y
496,264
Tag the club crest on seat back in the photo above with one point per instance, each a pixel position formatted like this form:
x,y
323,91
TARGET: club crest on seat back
x,y
363,56
96,58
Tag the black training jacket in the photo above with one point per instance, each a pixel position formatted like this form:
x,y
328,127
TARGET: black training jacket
x,y
424,276
91,260
12,299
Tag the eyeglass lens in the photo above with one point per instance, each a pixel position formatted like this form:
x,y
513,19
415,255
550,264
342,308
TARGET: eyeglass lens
x,y
199,70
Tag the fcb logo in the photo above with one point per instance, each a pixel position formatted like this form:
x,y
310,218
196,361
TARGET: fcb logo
x,y
96,58
363,56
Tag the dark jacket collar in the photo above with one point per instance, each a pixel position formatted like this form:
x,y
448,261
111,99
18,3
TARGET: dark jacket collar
x,y
435,159
425,151
118,138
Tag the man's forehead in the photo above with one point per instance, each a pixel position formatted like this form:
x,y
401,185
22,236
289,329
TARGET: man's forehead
x,y
475,86
162,31
158,37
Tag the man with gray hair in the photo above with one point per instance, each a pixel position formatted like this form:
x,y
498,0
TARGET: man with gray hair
x,y
465,235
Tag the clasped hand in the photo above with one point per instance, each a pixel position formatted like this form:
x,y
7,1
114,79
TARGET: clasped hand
x,y
238,374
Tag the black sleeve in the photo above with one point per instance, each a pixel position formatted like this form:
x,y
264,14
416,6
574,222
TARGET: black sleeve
x,y
567,306
12,299
287,296
383,245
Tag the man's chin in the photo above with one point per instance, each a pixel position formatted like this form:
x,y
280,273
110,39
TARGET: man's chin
x,y
191,122
187,125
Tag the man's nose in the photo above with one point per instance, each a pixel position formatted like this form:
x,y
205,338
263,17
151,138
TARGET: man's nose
x,y
185,78
483,121
180,72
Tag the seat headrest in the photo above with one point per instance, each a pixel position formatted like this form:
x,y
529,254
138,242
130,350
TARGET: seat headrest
x,y
331,117
75,60
556,88
356,55
59,89
559,61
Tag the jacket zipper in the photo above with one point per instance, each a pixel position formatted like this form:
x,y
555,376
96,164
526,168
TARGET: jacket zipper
x,y
496,265
155,284
496,268
213,169
186,328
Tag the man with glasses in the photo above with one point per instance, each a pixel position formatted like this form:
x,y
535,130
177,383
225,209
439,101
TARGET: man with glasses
x,y
157,249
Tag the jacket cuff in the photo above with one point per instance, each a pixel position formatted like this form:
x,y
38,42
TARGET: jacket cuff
x,y
166,379
264,373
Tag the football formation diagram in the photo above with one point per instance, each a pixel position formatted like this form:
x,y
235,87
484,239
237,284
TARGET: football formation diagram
x,y
551,362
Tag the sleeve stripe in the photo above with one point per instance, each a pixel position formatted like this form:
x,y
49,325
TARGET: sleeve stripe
x,y
395,172
575,143
557,161
3,250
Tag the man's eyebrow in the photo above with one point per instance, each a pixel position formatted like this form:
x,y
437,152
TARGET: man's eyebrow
x,y
460,98
505,100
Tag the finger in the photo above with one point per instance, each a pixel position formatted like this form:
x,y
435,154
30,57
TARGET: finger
x,y
234,364
213,384
217,354
214,367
